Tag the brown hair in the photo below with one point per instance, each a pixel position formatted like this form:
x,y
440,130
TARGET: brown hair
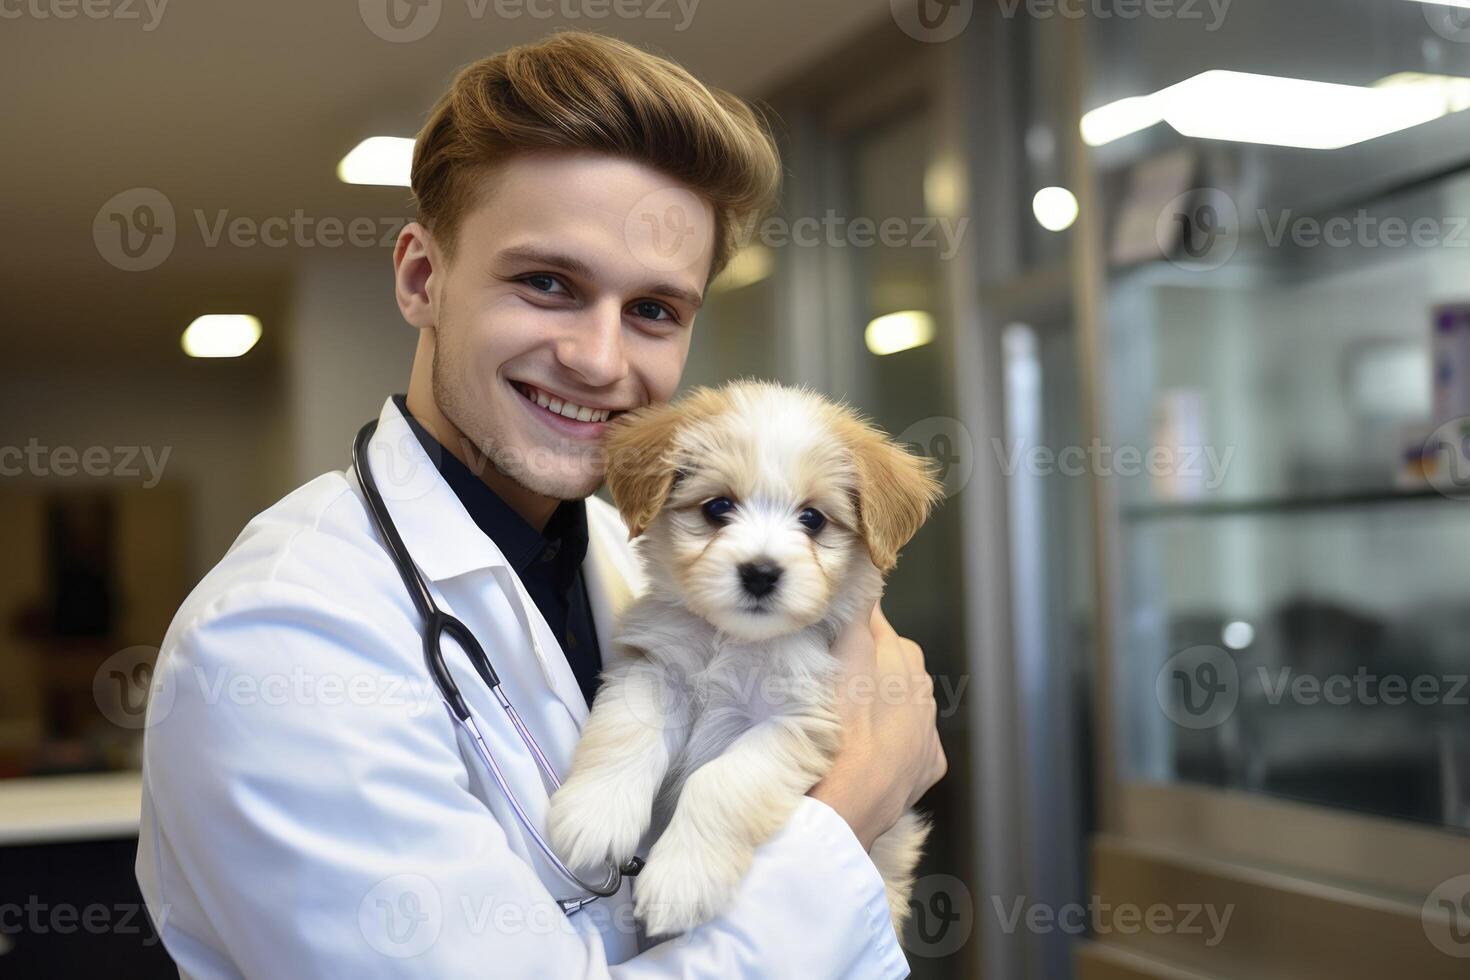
x,y
582,91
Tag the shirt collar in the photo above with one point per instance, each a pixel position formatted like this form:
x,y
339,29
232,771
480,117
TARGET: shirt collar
x,y
522,544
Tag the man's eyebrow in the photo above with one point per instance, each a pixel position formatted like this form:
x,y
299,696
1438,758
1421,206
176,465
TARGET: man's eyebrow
x,y
541,256
668,289
574,265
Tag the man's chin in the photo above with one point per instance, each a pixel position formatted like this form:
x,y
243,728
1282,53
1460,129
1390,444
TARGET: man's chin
x,y
570,484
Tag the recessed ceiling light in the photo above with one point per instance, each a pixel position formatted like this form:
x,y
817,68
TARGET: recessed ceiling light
x,y
1055,208
1238,635
382,160
903,330
221,335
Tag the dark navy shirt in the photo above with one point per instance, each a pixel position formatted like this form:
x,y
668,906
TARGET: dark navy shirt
x,y
549,562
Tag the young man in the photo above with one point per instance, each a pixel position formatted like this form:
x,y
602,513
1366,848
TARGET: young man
x,y
310,808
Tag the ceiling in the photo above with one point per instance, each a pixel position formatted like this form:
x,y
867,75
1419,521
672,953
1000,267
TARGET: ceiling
x,y
232,110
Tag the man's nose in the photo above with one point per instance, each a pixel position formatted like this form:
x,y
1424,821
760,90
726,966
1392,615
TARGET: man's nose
x,y
593,347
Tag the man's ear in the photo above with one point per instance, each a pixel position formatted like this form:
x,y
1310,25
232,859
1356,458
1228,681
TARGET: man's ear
x,y
414,261
896,491
640,467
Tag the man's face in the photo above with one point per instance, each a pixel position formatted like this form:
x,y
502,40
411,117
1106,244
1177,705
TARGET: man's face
x,y
562,307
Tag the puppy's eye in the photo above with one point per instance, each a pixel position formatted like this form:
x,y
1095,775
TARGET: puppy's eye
x,y
718,510
812,519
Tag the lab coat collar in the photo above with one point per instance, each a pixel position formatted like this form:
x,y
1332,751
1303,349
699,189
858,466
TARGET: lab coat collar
x,y
445,542
440,534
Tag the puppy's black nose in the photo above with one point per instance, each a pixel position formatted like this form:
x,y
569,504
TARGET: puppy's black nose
x,y
759,577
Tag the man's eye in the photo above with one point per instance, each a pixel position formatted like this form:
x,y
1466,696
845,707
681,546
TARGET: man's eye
x,y
649,310
812,519
718,510
541,282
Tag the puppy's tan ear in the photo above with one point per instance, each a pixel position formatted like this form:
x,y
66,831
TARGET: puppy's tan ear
x,y
896,491
640,468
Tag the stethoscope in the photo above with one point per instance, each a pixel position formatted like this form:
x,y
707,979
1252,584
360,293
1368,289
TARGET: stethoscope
x,y
437,623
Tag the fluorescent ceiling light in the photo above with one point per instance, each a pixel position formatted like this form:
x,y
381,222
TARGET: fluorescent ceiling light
x,y
1448,3
1055,208
1119,119
221,335
384,160
899,331
1247,108
1451,93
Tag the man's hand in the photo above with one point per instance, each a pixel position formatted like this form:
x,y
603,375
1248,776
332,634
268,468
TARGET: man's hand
x,y
890,753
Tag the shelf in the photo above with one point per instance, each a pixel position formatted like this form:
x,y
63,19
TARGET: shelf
x,y
1280,505
50,809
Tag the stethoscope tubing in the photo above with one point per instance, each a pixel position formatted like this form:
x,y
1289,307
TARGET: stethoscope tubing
x,y
436,624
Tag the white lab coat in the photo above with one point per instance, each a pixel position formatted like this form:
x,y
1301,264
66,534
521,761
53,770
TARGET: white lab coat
x,y
309,809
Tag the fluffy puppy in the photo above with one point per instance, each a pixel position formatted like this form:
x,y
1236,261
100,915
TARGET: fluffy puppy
x,y
765,518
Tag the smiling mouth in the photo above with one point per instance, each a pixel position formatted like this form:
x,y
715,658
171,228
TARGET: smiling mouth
x,y
564,408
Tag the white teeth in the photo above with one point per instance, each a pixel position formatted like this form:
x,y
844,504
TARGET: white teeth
x,y
567,409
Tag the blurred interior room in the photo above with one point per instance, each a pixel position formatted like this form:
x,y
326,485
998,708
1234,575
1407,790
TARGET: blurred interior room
x,y
1175,294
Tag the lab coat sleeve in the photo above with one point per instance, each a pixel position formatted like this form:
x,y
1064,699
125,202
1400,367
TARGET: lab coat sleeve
x,y
312,818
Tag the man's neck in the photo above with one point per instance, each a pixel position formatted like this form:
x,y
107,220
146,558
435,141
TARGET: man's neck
x,y
534,508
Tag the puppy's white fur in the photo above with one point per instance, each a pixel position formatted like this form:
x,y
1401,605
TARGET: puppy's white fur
x,y
719,715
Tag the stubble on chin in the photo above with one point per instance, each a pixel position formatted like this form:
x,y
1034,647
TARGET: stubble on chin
x,y
562,470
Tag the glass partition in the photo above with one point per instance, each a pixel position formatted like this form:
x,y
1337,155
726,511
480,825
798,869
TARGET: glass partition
x,y
1288,337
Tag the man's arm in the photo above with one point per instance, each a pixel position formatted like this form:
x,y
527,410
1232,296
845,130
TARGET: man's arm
x,y
296,837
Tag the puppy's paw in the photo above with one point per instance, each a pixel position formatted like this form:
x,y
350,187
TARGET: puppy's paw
x,y
686,883
590,822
